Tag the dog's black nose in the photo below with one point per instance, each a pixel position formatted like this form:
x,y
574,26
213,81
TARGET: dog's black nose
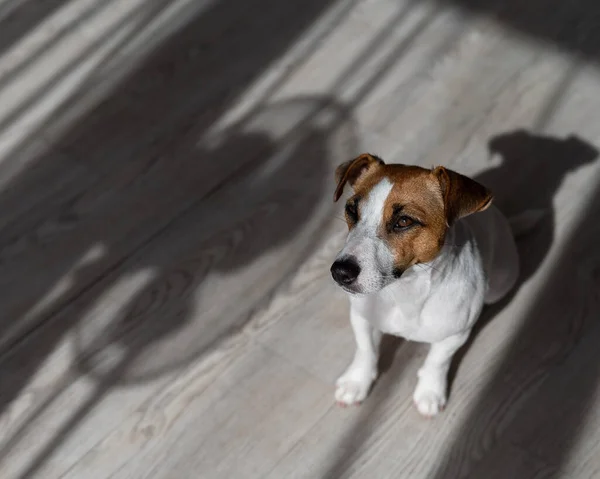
x,y
345,271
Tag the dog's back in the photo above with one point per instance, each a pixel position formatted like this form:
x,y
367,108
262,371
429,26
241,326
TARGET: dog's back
x,y
496,243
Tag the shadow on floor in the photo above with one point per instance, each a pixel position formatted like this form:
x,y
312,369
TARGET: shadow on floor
x,y
569,26
136,197
139,198
568,303
550,332
18,18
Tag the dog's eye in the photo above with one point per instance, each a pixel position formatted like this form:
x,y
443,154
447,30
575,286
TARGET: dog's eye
x,y
352,211
403,222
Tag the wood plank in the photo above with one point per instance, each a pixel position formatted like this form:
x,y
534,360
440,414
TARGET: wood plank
x,y
560,423
171,260
271,407
166,302
509,461
147,160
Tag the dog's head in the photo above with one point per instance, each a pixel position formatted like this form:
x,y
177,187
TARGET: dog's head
x,y
397,217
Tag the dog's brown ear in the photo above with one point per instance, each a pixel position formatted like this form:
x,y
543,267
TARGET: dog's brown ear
x,y
462,195
351,171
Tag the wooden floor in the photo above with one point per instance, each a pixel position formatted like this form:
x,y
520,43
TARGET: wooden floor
x,y
167,227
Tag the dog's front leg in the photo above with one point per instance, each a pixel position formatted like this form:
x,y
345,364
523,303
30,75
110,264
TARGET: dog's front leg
x,y
430,394
353,386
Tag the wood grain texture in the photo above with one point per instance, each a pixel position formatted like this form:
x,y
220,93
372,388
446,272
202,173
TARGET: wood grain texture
x,y
167,231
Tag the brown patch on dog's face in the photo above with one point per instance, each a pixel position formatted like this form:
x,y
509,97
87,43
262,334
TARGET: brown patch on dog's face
x,y
399,216
414,223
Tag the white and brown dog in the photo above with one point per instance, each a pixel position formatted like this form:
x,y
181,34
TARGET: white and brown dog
x,y
424,253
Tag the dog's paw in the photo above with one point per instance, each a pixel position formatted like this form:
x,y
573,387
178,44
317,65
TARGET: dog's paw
x,y
351,391
430,401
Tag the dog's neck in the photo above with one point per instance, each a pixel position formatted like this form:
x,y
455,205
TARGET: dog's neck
x,y
456,239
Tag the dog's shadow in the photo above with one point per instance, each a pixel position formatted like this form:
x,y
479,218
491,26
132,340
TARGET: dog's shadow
x,y
531,171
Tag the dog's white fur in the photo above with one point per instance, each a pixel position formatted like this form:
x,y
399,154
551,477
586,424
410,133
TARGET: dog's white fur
x,y
437,302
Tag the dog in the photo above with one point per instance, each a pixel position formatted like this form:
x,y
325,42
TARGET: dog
x,y
425,251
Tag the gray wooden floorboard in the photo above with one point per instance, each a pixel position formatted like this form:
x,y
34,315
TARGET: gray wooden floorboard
x,y
167,228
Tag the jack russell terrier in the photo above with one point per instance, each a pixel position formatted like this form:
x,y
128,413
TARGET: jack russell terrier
x,y
425,251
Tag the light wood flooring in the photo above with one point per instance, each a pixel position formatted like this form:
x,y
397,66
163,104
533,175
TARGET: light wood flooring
x,y
167,227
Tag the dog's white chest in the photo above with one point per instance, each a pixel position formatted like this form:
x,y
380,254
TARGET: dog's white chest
x,y
400,321
401,309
